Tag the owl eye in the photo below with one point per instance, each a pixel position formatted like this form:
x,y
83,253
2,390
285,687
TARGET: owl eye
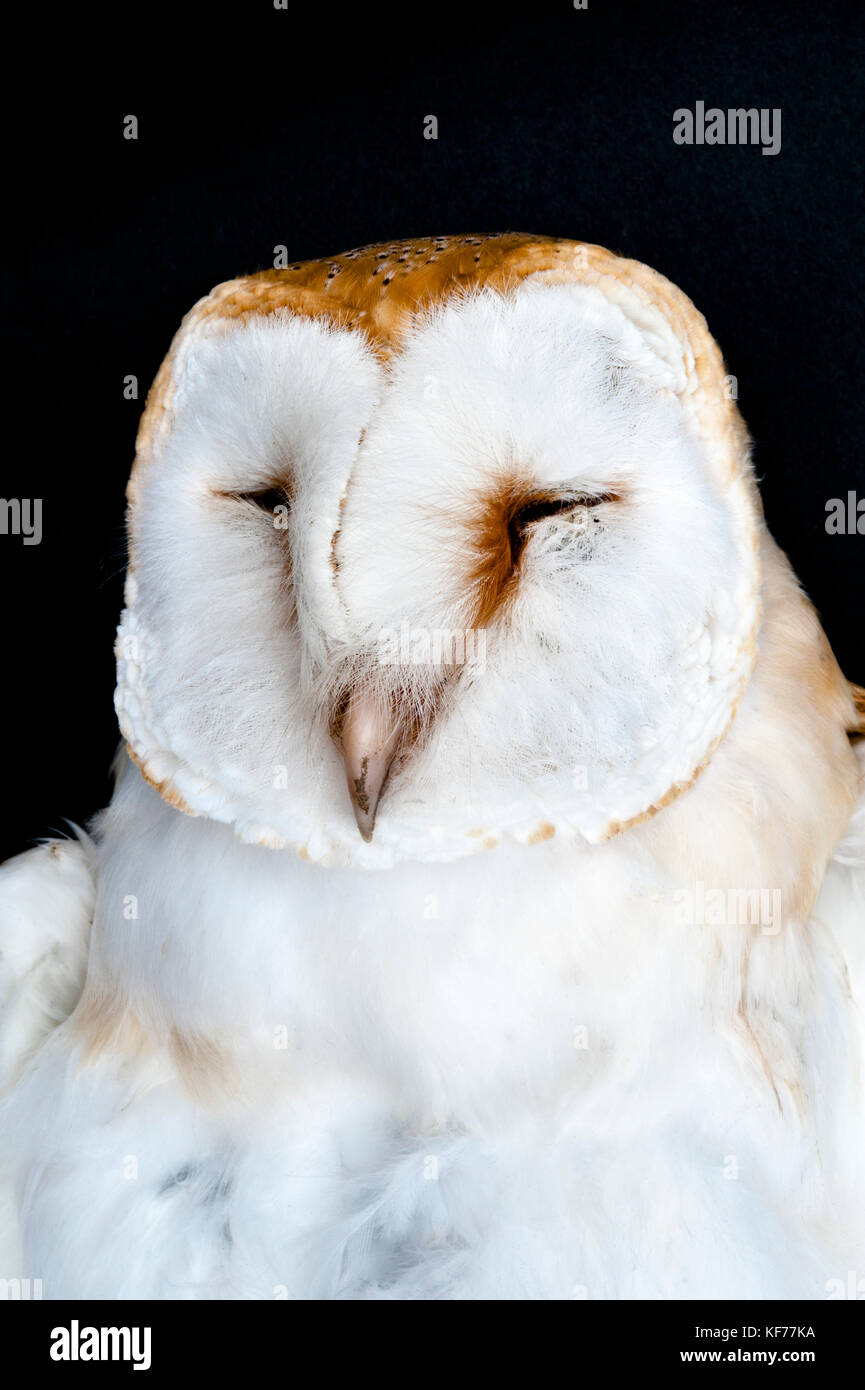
x,y
542,508
268,499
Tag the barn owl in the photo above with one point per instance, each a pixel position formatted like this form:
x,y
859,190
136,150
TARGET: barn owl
x,y
478,913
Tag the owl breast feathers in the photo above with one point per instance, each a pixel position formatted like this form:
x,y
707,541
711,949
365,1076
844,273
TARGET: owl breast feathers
x,y
478,912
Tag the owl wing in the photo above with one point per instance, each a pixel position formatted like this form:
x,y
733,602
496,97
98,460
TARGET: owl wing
x,y
46,907
842,897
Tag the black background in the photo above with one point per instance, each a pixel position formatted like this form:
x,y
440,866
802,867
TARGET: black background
x,y
304,127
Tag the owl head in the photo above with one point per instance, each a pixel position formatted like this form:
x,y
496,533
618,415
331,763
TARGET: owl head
x,y
435,544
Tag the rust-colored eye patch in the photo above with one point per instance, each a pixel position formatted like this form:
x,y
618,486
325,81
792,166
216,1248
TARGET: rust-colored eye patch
x,y
508,518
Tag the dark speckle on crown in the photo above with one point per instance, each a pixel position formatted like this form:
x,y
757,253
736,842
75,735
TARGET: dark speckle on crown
x,y
379,289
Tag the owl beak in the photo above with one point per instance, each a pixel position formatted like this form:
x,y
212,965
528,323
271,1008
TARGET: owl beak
x,y
369,741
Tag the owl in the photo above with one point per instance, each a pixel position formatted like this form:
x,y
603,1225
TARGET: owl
x,y
479,910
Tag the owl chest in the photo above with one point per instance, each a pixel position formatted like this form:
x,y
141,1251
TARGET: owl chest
x,y
509,977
